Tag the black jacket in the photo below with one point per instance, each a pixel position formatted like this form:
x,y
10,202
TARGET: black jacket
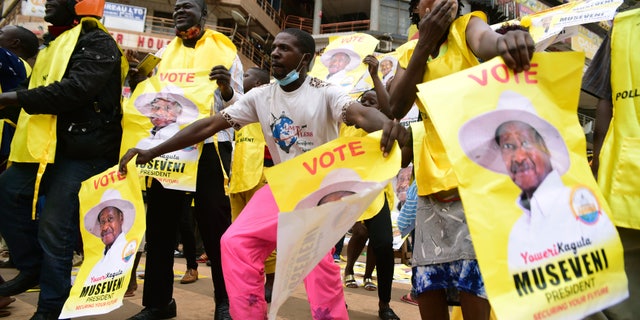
x,y
86,99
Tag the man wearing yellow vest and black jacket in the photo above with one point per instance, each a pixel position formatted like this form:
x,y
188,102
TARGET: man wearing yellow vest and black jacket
x,y
614,77
68,130
196,48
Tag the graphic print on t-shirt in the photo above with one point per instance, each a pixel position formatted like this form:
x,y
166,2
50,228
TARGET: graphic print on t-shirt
x,y
284,132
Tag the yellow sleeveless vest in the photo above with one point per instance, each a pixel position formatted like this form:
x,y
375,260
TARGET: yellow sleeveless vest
x,y
437,173
620,155
248,158
35,137
213,48
376,205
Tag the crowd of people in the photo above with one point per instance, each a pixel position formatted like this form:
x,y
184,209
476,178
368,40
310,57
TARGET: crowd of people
x,y
68,128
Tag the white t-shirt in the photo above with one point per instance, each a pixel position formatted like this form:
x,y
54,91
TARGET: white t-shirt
x,y
292,122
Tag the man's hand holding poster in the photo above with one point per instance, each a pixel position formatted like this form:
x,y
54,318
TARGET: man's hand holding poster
x,y
321,194
158,109
112,223
539,224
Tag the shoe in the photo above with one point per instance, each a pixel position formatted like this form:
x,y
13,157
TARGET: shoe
x,y
202,258
21,283
350,281
387,314
408,298
369,285
131,290
5,301
151,313
190,276
4,313
222,310
45,316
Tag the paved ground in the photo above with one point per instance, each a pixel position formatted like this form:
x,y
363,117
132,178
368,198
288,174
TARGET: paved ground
x,y
195,301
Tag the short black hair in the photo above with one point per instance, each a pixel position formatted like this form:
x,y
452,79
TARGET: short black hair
x,y
306,44
28,41
261,74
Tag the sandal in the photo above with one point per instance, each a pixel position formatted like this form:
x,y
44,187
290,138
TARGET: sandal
x,y
350,281
369,285
408,298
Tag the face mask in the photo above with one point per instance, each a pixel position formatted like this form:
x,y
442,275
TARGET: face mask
x,y
190,33
292,76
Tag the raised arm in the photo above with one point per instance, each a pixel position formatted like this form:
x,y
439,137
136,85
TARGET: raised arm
x,y
432,28
370,120
516,47
192,134
381,92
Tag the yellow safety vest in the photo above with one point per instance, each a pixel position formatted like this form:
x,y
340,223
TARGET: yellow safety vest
x,y
437,173
35,137
248,158
212,49
620,155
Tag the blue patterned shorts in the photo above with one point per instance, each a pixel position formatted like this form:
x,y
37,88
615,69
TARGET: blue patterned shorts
x,y
460,275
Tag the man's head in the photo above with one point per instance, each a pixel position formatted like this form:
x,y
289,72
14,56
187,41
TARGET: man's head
x,y
166,107
369,98
336,185
340,58
164,111
254,77
525,154
19,40
513,140
189,13
293,50
338,62
64,12
386,65
110,220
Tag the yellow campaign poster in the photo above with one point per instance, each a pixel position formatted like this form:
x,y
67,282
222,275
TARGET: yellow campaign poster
x,y
159,107
112,223
541,229
341,61
321,194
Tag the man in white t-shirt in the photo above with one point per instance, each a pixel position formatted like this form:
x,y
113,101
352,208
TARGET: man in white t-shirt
x,y
297,113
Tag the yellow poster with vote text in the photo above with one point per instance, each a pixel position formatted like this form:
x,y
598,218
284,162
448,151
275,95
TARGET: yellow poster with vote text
x,y
321,194
158,108
112,224
540,226
341,62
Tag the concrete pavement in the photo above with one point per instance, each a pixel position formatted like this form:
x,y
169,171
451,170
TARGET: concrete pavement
x,y
195,300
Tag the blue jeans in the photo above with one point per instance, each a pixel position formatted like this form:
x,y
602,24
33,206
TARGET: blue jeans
x,y
45,246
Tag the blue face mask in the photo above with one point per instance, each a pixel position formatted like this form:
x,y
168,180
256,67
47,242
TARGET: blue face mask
x,y
292,76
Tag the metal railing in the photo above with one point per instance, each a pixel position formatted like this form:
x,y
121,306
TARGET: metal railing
x,y
301,23
270,11
346,26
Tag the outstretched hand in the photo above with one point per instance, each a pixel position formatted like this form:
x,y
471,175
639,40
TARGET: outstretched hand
x,y
392,131
516,48
144,156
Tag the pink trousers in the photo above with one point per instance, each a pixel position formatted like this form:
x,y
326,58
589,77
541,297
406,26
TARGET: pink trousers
x,y
245,246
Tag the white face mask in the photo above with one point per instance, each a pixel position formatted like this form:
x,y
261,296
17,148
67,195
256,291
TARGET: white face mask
x,y
292,76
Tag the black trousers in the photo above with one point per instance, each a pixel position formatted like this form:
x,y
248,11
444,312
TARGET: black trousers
x,y
381,240
212,212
